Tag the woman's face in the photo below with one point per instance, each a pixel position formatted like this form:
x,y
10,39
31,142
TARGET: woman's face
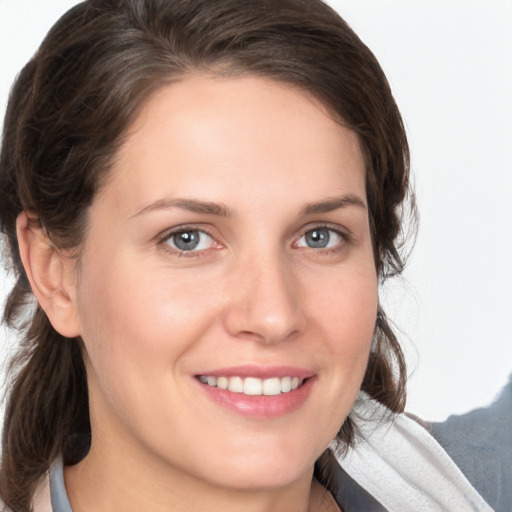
x,y
228,255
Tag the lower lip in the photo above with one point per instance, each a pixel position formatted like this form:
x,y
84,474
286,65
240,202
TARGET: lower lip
x,y
261,406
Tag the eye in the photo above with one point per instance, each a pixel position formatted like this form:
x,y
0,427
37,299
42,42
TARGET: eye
x,y
189,240
320,238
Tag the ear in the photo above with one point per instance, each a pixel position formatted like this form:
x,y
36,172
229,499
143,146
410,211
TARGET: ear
x,y
52,275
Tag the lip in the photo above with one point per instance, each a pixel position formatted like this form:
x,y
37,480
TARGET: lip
x,y
260,372
260,406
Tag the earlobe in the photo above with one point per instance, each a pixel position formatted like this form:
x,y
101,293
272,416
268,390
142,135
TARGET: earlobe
x,y
51,275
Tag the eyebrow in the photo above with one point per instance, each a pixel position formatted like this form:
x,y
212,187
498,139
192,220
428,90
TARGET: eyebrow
x,y
192,205
220,209
332,204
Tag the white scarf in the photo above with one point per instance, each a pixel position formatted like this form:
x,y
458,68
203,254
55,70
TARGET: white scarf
x,y
403,467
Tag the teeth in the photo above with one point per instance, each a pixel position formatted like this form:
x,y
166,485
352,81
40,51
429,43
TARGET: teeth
x,y
253,386
222,382
272,386
236,384
286,385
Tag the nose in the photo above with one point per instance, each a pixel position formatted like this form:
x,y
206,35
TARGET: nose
x,y
264,303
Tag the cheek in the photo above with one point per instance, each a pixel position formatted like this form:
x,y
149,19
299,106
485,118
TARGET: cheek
x,y
346,315
343,314
347,308
137,323
137,331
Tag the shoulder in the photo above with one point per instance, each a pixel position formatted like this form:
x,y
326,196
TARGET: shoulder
x,y
480,443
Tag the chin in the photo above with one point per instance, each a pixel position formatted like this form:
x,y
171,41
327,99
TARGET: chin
x,y
248,479
264,469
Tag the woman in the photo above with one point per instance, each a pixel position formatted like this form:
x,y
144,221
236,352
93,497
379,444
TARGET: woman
x,y
202,197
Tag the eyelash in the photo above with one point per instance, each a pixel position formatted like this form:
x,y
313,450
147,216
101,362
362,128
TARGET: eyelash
x,y
163,241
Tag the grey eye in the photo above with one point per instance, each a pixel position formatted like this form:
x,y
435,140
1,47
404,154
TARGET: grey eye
x,y
317,238
193,240
320,238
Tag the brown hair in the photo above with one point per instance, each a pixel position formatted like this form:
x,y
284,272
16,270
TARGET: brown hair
x,y
66,117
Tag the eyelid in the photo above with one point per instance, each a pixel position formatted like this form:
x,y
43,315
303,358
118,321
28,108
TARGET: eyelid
x,y
337,228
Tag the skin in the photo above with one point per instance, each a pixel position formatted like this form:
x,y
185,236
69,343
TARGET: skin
x,y
152,318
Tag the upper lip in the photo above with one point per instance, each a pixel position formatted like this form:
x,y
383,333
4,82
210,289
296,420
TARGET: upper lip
x,y
261,372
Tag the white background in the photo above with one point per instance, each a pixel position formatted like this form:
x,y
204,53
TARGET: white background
x,y
450,66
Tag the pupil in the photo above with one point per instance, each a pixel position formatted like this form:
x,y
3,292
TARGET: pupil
x,y
187,240
318,238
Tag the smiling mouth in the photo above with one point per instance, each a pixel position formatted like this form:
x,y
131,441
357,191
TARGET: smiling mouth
x,y
253,386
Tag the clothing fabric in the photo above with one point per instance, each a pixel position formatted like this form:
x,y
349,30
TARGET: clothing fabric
x,y
398,467
480,443
403,468
58,495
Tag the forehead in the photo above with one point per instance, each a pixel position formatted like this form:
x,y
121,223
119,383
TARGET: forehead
x,y
201,131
